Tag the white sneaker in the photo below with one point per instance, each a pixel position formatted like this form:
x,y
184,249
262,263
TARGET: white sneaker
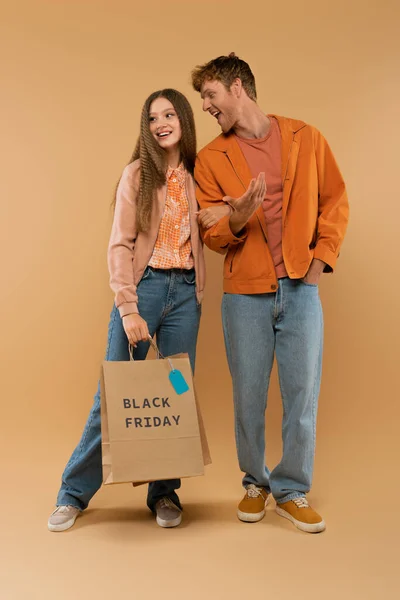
x,y
63,518
168,514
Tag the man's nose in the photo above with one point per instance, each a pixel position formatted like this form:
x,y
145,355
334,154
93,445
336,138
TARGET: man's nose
x,y
206,104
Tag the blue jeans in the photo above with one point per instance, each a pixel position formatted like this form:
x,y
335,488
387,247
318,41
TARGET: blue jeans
x,y
167,302
290,325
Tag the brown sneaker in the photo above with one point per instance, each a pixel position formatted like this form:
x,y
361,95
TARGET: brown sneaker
x,y
252,508
302,515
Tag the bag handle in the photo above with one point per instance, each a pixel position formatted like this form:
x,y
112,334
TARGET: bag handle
x,y
155,347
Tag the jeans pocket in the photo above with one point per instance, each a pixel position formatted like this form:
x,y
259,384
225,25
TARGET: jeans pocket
x,y
146,273
189,277
311,285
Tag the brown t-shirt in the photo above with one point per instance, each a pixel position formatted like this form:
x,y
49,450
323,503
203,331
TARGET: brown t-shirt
x,y
264,155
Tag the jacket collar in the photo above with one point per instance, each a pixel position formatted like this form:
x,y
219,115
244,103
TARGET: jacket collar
x,y
223,142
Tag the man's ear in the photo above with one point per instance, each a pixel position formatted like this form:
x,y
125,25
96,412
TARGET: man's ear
x,y
236,87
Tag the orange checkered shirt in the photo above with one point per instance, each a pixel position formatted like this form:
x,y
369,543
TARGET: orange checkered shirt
x,y
173,249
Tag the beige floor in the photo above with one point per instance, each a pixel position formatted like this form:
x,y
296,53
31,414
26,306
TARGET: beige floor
x,y
76,76
116,550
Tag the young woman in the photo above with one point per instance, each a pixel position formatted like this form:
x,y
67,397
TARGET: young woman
x,y
157,272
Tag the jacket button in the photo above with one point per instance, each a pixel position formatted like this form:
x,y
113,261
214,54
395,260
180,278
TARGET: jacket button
x,y
273,287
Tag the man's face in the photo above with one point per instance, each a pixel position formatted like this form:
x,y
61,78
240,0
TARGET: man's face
x,y
221,103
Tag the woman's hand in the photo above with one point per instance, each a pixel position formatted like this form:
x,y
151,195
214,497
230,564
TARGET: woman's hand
x,y
135,328
207,217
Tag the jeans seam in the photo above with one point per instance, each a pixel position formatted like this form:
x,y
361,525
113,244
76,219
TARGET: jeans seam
x,y
89,423
111,332
230,353
86,432
316,378
169,301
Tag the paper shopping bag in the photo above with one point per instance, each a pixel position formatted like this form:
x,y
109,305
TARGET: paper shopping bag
x,y
150,431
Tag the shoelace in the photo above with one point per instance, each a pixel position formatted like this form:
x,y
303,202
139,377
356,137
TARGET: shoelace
x,y
253,491
62,509
167,503
301,502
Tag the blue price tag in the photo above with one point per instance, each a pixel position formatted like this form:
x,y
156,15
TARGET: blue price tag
x,y
178,382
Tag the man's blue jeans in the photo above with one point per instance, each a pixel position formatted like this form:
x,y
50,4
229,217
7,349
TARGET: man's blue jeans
x,y
288,324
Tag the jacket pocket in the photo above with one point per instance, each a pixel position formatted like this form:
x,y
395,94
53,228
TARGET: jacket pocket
x,y
233,259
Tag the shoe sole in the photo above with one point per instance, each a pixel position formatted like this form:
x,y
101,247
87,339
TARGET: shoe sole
x,y
168,524
62,526
307,527
252,517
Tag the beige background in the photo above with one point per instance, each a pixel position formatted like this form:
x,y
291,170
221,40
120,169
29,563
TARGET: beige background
x,y
75,75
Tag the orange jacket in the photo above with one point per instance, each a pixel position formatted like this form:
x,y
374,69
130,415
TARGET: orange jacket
x,y
315,208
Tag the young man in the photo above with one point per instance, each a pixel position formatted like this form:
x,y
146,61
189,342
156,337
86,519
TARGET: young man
x,y
289,217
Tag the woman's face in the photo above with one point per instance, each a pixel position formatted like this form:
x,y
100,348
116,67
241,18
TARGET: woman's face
x,y
164,124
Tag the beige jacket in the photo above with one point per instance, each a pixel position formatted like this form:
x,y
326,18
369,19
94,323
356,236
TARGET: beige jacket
x,y
129,252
